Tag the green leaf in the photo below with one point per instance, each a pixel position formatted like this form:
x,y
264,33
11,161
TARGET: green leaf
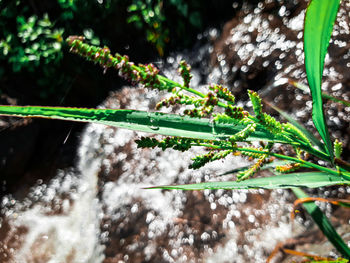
x,y
157,123
323,223
339,260
132,8
152,122
133,18
309,179
319,20
297,124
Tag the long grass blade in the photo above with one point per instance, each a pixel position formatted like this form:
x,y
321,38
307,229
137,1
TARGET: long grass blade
x,y
339,260
323,223
319,20
309,179
151,122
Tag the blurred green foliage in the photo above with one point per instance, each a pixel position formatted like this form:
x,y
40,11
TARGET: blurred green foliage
x,y
150,15
36,41
31,44
32,52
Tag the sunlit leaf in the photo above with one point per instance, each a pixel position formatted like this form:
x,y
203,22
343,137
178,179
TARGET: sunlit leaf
x,y
309,179
151,122
319,20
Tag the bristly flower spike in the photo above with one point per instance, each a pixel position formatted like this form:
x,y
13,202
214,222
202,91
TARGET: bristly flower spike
x,y
146,75
243,134
257,166
235,112
223,93
176,143
296,132
185,72
288,168
257,105
252,170
338,148
201,160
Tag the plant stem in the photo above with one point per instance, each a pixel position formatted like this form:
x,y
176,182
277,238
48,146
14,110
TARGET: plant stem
x,y
315,152
171,83
281,156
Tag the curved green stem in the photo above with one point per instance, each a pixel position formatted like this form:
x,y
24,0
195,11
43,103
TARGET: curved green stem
x,y
281,156
193,91
315,152
174,84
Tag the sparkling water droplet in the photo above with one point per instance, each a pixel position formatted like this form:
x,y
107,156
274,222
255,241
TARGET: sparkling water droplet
x,y
153,123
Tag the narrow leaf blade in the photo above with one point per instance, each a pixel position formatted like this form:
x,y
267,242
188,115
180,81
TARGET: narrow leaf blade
x,y
319,20
309,179
151,122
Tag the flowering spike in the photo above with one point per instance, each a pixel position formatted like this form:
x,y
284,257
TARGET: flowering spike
x,y
185,72
183,99
296,132
147,142
252,170
210,100
203,106
243,134
257,106
223,93
146,75
235,112
338,148
176,143
257,166
291,167
272,124
201,160
223,118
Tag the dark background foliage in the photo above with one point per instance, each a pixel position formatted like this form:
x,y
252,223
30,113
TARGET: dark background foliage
x,y
36,67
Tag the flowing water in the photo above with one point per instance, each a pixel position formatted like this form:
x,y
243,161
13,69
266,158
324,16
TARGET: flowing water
x,y
98,210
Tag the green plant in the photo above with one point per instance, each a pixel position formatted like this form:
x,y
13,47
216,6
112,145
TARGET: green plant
x,y
40,42
213,121
31,44
150,16
34,67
